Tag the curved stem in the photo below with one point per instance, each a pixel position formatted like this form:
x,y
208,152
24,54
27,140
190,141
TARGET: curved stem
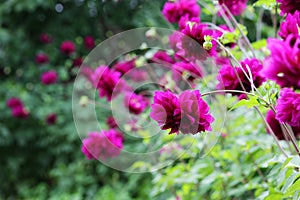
x,y
234,91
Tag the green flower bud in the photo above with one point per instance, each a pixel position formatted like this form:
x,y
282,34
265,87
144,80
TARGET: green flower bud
x,y
207,45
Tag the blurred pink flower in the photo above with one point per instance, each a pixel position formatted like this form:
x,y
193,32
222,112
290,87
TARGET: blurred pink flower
x,y
102,145
236,7
49,77
124,66
67,47
162,57
51,119
110,121
19,112
77,62
14,102
107,81
41,58
135,103
228,79
89,42
173,11
193,71
46,38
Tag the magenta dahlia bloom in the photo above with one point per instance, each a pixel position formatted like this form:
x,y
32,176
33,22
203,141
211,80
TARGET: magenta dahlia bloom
x,y
41,58
173,11
191,43
89,42
276,128
51,119
107,81
193,70
289,6
102,145
46,38
236,7
162,57
290,25
135,103
77,62
14,102
124,66
186,21
187,113
228,79
19,112
49,77
111,122
288,107
282,66
67,47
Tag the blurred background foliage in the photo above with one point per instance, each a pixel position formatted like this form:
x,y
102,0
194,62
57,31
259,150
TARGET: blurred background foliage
x,y
38,161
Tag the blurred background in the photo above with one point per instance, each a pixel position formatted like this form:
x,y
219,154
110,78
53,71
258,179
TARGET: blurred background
x,y
40,156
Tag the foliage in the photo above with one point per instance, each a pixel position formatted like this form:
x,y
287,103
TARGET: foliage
x,y
42,161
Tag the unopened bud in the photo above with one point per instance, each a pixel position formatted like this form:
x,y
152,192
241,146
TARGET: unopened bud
x,y
207,45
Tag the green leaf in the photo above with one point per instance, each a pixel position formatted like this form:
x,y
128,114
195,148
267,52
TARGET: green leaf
x,y
249,103
293,189
267,4
259,44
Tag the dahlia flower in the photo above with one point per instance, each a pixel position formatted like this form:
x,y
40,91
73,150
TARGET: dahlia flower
x,y
187,113
49,77
51,119
228,79
124,66
193,71
102,145
191,43
162,57
41,58
290,25
288,107
19,112
276,128
173,11
89,42
111,122
107,81
289,6
282,66
45,38
135,103
67,47
236,7
14,102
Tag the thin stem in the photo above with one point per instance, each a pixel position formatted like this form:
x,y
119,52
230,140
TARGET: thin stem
x,y
292,139
271,131
274,18
289,134
239,65
259,24
262,116
238,27
233,91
